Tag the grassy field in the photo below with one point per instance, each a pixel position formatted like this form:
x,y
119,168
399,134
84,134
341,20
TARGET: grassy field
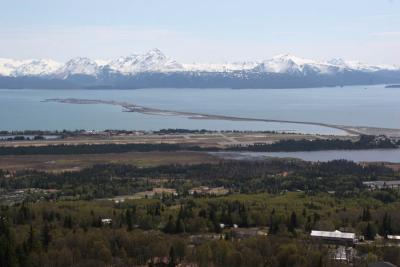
x,y
58,163
203,140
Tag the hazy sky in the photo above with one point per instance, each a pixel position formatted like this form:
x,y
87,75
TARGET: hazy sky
x,y
202,30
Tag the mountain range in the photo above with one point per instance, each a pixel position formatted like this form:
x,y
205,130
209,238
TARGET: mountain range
x,y
153,69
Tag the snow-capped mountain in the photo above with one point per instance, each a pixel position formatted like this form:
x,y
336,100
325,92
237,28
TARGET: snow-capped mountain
x,y
221,67
359,66
78,65
8,66
284,64
154,61
37,67
30,67
294,65
154,69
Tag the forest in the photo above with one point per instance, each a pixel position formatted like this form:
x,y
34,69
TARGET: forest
x,y
80,224
274,176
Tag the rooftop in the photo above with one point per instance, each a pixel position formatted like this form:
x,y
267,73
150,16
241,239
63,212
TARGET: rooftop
x,y
393,237
335,234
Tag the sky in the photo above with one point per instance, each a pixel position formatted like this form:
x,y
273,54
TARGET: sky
x,y
202,30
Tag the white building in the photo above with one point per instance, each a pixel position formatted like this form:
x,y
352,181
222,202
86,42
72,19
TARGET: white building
x,y
106,221
394,239
382,184
334,236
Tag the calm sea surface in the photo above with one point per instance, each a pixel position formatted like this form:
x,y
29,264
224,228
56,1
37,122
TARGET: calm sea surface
x,y
356,105
370,155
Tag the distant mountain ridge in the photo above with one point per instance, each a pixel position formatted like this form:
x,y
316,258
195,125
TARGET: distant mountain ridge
x,y
154,69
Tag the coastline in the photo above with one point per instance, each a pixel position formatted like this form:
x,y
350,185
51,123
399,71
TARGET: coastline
x,y
130,107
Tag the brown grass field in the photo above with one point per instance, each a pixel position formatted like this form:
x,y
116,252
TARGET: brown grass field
x,y
204,140
58,163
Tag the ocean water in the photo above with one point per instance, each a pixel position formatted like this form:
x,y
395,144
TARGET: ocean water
x,y
369,155
355,105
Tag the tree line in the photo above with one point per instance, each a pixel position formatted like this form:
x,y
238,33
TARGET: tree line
x,y
365,142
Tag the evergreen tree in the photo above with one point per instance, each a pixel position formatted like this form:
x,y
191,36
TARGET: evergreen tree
x,y
129,222
45,236
369,232
366,216
273,223
386,228
244,220
170,226
180,226
31,241
68,221
214,220
292,222
172,260
7,245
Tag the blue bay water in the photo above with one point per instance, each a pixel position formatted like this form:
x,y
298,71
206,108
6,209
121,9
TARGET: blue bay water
x,y
356,105
370,155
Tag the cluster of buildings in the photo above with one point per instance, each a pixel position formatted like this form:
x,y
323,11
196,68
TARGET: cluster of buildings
x,y
342,244
205,190
161,190
18,196
374,185
158,191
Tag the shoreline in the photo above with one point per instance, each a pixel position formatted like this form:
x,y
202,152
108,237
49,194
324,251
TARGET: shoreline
x,y
129,107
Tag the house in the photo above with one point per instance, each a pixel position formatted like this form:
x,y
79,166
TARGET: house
x,y
373,185
336,237
205,190
157,192
393,239
158,262
106,221
166,191
201,190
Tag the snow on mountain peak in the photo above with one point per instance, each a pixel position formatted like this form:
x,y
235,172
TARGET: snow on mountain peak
x,y
286,63
337,62
221,67
79,65
37,67
357,66
8,66
153,60
29,67
155,52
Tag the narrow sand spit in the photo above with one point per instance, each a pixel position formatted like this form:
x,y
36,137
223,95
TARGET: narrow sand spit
x,y
129,107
